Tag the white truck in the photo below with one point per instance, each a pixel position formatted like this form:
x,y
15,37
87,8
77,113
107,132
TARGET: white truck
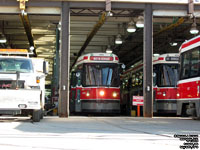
x,y
22,85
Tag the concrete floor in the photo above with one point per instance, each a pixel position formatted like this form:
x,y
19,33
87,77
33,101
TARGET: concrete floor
x,y
95,133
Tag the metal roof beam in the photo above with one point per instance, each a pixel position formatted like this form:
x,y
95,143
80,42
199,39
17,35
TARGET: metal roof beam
x,y
101,5
54,7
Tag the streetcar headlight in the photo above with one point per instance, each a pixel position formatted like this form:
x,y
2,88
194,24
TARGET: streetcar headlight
x,y
164,94
114,94
178,94
88,93
102,93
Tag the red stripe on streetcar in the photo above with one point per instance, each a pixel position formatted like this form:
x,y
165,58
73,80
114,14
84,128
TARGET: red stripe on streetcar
x,y
190,43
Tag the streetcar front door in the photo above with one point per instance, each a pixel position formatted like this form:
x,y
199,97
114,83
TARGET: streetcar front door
x,y
75,104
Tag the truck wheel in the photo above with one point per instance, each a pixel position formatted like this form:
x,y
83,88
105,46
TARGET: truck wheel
x,y
41,114
36,115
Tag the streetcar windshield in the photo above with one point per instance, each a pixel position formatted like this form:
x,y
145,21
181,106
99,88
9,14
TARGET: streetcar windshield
x,y
101,75
168,75
15,64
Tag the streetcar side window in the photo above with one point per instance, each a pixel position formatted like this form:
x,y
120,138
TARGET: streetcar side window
x,y
185,69
190,64
195,62
155,74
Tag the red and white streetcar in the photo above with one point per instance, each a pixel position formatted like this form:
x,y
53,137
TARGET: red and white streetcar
x,y
95,84
165,80
165,76
189,80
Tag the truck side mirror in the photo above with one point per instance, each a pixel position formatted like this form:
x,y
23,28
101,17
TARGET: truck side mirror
x,y
45,67
123,66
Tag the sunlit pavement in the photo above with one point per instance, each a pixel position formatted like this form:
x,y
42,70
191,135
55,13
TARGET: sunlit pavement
x,y
95,133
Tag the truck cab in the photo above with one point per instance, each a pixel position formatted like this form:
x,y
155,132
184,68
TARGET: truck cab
x,y
22,86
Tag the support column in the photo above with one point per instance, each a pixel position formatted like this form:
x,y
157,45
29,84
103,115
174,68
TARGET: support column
x,y
147,58
56,67
63,108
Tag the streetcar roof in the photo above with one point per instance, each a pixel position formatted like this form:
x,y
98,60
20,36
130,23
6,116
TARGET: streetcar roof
x,y
97,58
166,58
169,58
190,44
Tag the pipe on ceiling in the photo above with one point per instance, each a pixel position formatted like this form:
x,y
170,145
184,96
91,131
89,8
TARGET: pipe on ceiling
x,y
95,29
27,27
171,26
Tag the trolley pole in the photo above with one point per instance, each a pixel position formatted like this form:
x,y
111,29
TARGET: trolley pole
x,y
147,58
63,108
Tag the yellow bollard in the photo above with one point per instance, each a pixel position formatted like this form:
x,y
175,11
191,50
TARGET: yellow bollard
x,y
55,112
133,113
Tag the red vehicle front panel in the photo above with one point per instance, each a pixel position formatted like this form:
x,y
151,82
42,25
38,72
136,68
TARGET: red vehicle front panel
x,y
94,93
189,89
165,93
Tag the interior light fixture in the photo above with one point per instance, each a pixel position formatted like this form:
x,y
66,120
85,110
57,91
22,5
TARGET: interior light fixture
x,y
109,14
173,43
131,27
108,50
3,39
31,48
156,55
59,26
24,12
194,29
140,22
118,39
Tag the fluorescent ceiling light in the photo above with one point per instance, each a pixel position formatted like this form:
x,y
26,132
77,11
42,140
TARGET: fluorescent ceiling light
x,y
23,12
108,50
156,55
118,39
140,22
173,43
31,48
109,14
131,27
3,39
194,29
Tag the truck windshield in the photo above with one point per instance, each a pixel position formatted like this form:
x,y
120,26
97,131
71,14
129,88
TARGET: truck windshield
x,y
101,75
15,64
